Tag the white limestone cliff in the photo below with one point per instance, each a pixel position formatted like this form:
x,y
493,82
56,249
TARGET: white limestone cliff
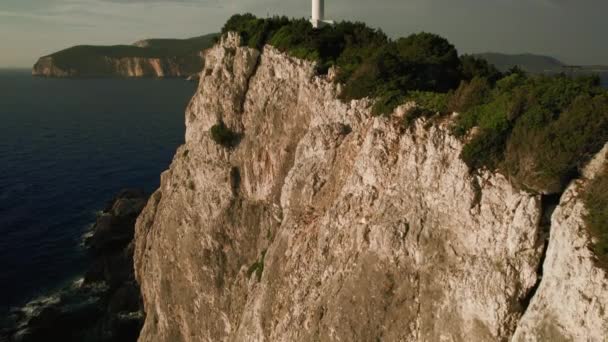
x,y
326,223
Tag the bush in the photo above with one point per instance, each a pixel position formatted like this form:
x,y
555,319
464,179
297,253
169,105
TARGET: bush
x,y
469,94
473,67
254,31
387,103
538,130
596,202
422,61
545,153
430,101
257,267
222,135
416,113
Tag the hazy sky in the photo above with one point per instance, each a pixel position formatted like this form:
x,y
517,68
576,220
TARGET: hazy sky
x,y
572,30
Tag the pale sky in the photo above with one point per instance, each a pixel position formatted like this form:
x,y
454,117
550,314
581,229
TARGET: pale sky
x,y
571,30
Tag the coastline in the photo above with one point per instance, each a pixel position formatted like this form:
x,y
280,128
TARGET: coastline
x,y
103,303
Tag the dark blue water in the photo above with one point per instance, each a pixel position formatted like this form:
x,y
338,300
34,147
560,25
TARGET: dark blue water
x,y
66,147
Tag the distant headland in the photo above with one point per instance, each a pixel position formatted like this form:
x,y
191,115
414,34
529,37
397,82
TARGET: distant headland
x,y
541,64
145,58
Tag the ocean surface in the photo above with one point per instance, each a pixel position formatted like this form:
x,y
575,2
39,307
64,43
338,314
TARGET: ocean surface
x,y
67,147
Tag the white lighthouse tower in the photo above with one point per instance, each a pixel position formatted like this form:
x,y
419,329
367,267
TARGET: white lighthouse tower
x,y
318,14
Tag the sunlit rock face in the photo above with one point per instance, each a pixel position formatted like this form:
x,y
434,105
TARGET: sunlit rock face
x,y
326,223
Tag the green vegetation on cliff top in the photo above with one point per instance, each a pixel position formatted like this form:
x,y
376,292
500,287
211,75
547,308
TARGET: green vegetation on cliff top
x,y
537,130
89,59
369,63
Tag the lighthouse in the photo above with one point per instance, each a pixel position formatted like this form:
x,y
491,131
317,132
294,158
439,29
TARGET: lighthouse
x,y
318,14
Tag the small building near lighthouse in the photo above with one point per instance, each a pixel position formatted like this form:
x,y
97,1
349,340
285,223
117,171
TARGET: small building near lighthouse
x,y
317,18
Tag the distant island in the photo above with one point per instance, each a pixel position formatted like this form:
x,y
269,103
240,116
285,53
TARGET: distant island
x,y
540,64
145,58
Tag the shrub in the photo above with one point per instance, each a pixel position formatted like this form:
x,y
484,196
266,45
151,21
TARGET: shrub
x,y
222,135
596,202
430,101
422,61
538,130
257,267
473,67
469,94
545,153
415,113
387,103
254,31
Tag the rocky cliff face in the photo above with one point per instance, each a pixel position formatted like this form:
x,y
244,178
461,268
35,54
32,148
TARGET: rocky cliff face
x,y
122,67
571,303
326,223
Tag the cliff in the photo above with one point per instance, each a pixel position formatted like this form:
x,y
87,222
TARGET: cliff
x,y
147,58
327,223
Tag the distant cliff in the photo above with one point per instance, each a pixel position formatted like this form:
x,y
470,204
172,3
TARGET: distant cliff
x,y
146,58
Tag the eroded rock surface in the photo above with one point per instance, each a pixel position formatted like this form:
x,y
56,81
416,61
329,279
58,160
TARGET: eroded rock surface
x,y
326,223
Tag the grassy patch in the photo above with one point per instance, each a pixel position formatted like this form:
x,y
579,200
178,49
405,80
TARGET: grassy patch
x,y
596,201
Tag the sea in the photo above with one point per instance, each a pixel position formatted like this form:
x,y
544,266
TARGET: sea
x,y
67,146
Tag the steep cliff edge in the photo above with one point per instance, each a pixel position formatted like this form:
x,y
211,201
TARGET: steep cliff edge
x,y
146,58
571,303
326,223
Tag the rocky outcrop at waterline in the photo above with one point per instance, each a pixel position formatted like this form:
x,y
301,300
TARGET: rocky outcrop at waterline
x,y
105,305
326,223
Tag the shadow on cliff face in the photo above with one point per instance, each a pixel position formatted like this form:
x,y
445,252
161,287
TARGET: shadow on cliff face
x,y
548,205
103,306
